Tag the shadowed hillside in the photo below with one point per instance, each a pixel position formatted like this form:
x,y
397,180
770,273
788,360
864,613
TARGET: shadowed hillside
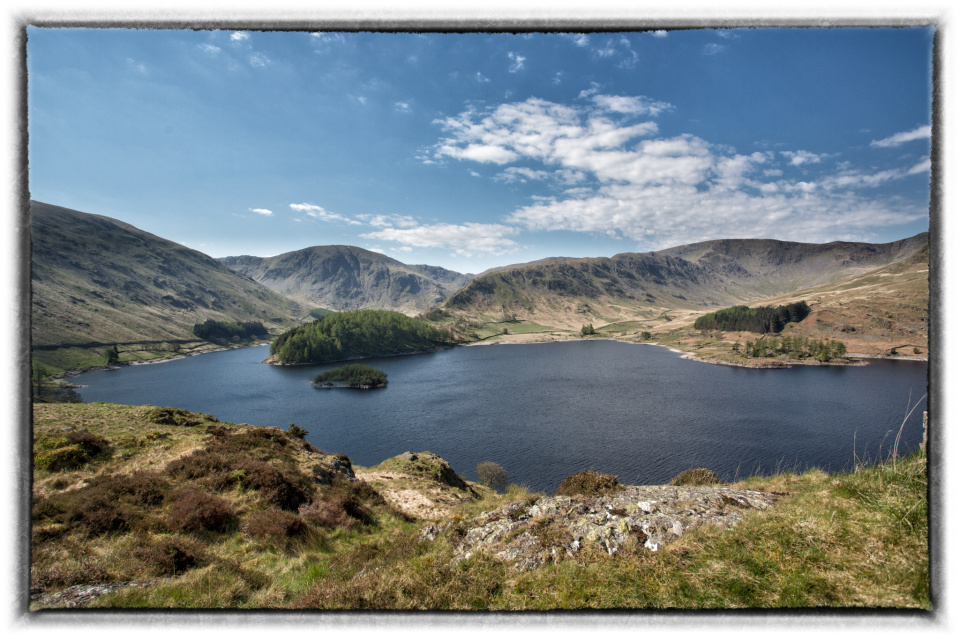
x,y
347,278
97,280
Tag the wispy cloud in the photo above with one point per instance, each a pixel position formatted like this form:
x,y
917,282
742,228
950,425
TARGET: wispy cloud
x,y
659,192
262,211
579,39
897,139
518,61
482,78
636,105
212,49
239,36
136,66
402,107
320,213
798,158
379,220
259,60
712,48
468,239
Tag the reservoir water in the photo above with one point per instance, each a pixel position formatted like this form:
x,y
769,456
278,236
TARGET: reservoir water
x,y
546,411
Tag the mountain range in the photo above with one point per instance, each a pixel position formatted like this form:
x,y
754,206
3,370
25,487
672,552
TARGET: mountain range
x,y
347,278
99,281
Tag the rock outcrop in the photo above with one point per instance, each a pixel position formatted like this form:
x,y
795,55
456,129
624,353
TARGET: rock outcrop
x,y
528,534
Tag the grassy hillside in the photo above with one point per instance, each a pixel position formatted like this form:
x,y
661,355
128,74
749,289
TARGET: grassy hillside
x,y
135,506
347,278
872,297
98,282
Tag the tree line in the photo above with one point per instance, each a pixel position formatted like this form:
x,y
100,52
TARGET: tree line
x,y
794,347
213,330
762,319
361,333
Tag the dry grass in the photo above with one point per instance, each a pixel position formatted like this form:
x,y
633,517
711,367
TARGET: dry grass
x,y
858,539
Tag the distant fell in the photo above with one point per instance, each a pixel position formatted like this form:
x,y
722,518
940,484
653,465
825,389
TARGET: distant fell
x,y
347,278
99,280
567,292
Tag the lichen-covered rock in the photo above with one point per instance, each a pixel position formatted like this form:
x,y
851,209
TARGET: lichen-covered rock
x,y
527,534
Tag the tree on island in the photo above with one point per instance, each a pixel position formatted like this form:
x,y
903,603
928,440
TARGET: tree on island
x,y
354,375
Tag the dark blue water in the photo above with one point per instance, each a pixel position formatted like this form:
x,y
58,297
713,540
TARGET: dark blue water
x,y
545,411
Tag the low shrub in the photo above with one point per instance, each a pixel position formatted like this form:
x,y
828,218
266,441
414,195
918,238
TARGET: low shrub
x,y
167,416
339,507
107,504
274,486
493,475
171,556
69,452
590,483
696,477
193,511
61,575
275,526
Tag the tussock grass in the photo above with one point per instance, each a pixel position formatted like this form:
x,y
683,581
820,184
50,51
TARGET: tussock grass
x,y
857,539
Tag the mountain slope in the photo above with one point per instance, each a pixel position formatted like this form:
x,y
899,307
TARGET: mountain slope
x,y
99,280
689,279
347,278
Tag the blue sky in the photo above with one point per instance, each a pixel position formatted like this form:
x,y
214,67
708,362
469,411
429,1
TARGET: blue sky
x,y
474,150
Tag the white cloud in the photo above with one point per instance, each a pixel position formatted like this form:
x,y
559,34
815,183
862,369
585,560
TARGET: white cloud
x,y
325,37
659,34
518,61
239,36
138,67
921,167
557,78
320,213
637,105
259,60
361,99
798,158
901,138
579,39
463,239
212,49
482,78
712,48
402,107
402,221
727,34
376,249
611,177
262,211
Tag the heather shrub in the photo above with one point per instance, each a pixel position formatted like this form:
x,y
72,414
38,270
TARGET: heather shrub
x,y
346,505
696,477
107,504
71,451
178,417
275,526
193,511
590,483
276,488
171,556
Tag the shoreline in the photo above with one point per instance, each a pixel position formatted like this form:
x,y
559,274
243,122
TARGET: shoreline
x,y
359,357
159,360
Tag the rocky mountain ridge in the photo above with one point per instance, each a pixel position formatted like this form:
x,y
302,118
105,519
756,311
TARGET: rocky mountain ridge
x,y
347,278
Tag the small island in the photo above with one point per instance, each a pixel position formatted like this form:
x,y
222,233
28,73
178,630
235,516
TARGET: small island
x,y
351,376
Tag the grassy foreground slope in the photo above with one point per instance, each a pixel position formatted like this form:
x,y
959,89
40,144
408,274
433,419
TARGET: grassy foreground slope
x,y
98,282
135,506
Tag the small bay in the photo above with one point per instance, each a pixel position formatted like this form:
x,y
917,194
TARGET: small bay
x,y
545,411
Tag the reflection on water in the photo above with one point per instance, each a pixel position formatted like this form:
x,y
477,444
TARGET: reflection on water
x,y
545,411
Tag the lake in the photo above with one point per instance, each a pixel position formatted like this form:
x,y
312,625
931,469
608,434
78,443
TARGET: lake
x,y
546,411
